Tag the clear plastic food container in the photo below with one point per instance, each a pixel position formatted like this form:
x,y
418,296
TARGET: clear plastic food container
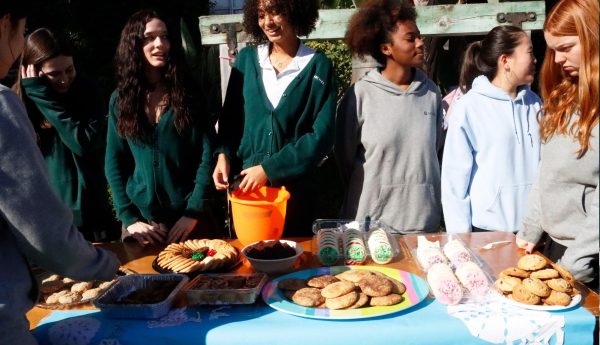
x,y
234,288
348,242
109,302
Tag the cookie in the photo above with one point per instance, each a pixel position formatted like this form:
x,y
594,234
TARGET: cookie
x,y
375,286
53,298
506,284
308,297
390,299
81,287
558,298
564,273
69,297
559,284
106,285
536,286
292,284
337,289
91,293
321,281
68,281
531,262
514,272
521,294
546,273
360,302
343,301
52,277
397,286
353,275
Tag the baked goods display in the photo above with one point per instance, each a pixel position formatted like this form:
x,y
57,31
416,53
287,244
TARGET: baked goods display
x,y
346,290
453,272
535,281
380,247
355,250
224,288
61,292
444,284
197,255
351,244
328,248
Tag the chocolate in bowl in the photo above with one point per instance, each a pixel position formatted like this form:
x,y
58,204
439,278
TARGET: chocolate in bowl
x,y
272,250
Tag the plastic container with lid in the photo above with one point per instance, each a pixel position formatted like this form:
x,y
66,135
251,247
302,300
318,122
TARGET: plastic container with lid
x,y
338,241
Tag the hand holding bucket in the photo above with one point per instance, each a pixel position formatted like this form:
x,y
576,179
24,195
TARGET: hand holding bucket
x,y
259,215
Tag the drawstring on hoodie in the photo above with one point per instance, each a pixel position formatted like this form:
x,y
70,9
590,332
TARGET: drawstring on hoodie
x,y
512,104
528,132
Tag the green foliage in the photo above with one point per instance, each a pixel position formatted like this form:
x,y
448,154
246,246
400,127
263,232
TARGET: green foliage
x,y
339,55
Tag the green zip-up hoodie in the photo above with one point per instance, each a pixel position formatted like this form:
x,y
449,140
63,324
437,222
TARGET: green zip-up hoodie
x,y
73,147
162,176
290,140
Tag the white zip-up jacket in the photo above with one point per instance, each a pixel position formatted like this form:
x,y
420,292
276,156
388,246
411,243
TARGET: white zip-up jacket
x,y
491,157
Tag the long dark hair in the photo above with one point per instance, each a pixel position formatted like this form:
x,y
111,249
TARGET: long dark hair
x,y
41,46
131,80
482,56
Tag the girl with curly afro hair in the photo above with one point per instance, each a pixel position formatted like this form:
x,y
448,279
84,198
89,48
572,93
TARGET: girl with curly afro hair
x,y
277,121
389,124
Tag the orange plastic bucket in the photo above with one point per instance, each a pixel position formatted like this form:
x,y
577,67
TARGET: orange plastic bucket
x,y
259,215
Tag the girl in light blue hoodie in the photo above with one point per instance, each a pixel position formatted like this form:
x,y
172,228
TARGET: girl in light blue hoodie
x,y
492,146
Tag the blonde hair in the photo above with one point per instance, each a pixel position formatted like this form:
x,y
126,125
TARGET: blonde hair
x,y
565,96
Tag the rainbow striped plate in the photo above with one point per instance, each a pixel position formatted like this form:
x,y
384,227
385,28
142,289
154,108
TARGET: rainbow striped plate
x,y
416,291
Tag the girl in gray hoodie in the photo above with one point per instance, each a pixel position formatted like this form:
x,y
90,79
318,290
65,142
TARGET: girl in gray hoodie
x,y
389,124
564,200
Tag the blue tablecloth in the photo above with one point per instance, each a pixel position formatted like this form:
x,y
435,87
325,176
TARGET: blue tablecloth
x,y
428,323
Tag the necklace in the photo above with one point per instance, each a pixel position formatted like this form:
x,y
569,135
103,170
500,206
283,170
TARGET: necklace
x,y
156,102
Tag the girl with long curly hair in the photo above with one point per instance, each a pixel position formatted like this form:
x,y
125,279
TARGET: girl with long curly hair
x,y
159,147
389,124
564,201
277,122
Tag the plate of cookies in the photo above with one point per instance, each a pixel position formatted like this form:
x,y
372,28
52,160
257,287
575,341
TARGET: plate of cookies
x,y
59,292
345,292
196,256
538,284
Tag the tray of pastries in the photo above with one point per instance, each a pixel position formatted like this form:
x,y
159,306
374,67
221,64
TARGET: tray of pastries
x,y
197,256
225,288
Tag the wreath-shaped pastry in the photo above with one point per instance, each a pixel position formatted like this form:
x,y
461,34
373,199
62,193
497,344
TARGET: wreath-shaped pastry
x,y
197,255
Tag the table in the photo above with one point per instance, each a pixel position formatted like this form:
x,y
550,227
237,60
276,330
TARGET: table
x,y
259,324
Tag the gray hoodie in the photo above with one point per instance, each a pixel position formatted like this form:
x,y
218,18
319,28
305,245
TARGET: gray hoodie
x,y
35,225
387,144
564,202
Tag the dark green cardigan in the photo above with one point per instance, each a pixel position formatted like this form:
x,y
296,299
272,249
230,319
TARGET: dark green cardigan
x,y
290,140
73,148
162,177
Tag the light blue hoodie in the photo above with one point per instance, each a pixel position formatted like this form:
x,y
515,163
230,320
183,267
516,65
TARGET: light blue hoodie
x,y
490,159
